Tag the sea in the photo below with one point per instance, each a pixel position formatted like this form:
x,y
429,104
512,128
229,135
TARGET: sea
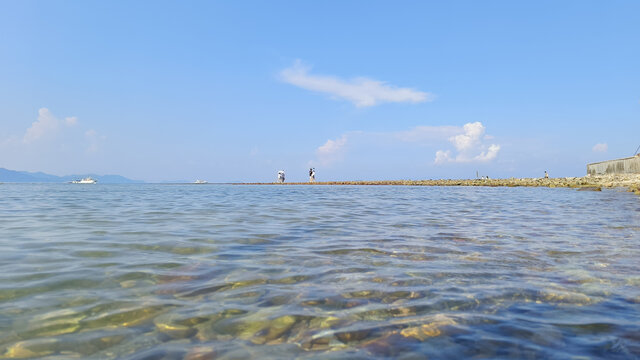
x,y
153,271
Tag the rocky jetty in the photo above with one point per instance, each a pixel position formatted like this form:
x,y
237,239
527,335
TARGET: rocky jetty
x,y
595,183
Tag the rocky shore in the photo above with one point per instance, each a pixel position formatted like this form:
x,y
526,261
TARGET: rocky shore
x,y
595,183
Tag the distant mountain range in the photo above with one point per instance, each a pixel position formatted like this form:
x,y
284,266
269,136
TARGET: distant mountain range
x,y
40,177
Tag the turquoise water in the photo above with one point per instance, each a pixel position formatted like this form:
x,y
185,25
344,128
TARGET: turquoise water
x,y
272,272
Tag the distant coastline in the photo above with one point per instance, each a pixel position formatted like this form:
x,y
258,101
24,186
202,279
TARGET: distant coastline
x,y
594,183
13,176
629,181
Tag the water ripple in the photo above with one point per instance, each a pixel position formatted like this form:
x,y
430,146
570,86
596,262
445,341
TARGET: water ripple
x,y
227,272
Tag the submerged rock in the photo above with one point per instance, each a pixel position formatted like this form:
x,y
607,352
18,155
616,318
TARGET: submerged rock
x,y
177,326
565,297
351,336
431,329
30,349
275,331
124,318
53,323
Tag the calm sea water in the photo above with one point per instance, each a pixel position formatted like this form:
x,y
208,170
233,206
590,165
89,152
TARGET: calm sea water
x,y
273,272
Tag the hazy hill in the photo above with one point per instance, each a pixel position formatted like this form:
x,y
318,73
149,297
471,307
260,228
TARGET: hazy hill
x,y
40,177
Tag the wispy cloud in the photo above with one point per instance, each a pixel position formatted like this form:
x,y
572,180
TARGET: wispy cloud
x,y
427,134
94,139
601,147
71,121
362,92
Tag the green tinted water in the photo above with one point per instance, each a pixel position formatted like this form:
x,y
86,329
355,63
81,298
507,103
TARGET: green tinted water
x,y
228,272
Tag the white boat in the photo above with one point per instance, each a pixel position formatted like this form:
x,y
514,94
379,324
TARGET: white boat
x,y
201,182
85,181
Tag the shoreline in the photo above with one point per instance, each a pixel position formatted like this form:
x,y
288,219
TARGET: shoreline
x,y
595,183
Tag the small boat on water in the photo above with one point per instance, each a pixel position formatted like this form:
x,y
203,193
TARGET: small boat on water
x,y
87,180
201,182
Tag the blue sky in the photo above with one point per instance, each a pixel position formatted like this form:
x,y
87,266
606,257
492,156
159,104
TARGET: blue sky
x,y
235,91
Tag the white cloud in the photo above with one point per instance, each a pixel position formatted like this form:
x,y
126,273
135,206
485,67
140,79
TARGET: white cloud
x,y
332,146
362,92
331,151
488,155
443,156
601,147
51,135
46,125
59,145
470,138
470,146
469,142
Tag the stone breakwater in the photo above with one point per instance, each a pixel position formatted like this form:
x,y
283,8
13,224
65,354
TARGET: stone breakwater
x,y
595,183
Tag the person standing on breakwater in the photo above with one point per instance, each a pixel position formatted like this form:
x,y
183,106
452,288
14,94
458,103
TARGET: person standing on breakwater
x,y
546,174
281,176
312,175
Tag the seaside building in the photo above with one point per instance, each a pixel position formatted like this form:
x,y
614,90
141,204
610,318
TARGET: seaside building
x,y
630,165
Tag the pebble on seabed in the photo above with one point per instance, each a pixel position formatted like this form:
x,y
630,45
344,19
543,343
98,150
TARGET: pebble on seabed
x,y
201,353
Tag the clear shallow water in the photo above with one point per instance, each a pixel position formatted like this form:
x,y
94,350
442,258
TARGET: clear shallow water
x,y
231,272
